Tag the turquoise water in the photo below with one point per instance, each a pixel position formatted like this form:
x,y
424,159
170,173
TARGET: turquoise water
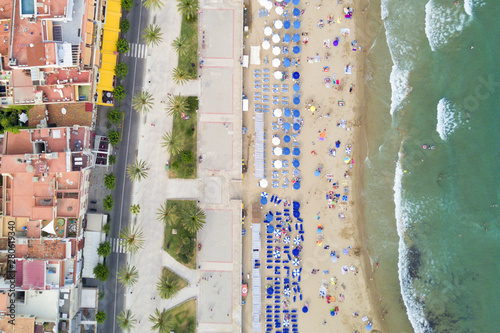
x,y
27,7
432,220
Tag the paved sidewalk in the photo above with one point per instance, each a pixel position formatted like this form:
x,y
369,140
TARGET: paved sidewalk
x,y
217,283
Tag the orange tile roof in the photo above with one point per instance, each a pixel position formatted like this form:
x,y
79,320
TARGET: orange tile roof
x,y
23,325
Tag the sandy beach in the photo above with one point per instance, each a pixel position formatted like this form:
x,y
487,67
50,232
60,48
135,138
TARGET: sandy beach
x,y
330,114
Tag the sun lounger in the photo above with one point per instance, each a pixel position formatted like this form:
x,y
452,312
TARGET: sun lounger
x,y
276,103
265,80
256,82
265,75
276,91
265,107
256,87
266,70
265,90
256,76
284,90
284,86
265,86
256,99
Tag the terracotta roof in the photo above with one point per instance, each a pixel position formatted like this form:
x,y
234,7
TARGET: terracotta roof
x,y
23,325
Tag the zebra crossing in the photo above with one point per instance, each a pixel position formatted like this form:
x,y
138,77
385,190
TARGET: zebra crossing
x,y
117,245
137,50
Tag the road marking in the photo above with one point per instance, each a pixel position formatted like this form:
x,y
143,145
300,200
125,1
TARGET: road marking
x,y
117,245
125,173
137,50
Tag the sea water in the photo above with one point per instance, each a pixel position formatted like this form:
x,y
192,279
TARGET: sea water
x,y
432,220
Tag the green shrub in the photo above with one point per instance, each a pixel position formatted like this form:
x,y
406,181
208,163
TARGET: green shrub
x,y
101,272
121,70
119,93
100,317
112,159
109,181
127,4
108,202
187,157
115,116
100,296
106,228
175,164
122,45
114,137
104,249
124,25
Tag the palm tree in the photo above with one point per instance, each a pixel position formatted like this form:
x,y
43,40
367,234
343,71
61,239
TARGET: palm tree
x,y
126,320
128,276
180,46
135,209
180,76
156,4
176,105
161,321
172,143
167,213
137,171
152,35
188,8
134,239
168,286
142,101
193,218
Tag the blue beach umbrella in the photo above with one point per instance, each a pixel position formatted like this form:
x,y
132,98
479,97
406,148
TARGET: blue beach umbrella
x,y
286,151
270,228
296,126
295,252
317,173
296,24
296,38
287,126
295,2
296,213
296,87
305,309
296,163
296,151
296,49
344,197
270,290
286,138
296,100
269,217
296,12
286,24
287,113
286,1
296,113
368,327
336,41
296,205
295,75
263,200
287,38
332,313
286,62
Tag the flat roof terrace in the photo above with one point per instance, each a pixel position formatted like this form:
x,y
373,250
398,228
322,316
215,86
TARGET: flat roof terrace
x,y
68,76
76,114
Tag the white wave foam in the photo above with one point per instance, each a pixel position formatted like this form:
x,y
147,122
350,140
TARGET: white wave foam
x,y
443,22
470,4
403,43
399,86
446,119
414,309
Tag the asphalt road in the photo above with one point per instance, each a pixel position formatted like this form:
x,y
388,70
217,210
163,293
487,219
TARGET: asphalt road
x,y
114,299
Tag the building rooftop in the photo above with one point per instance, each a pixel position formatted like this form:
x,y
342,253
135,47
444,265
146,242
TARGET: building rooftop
x,y
30,274
23,325
43,249
42,304
75,114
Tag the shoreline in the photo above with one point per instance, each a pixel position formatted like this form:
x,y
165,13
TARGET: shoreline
x,y
361,138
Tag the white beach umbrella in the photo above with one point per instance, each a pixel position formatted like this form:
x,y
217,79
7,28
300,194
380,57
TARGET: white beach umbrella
x,y
277,164
266,45
268,5
276,62
277,151
278,24
263,183
279,10
268,31
276,50
276,141
23,117
276,38
277,113
263,2
278,75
